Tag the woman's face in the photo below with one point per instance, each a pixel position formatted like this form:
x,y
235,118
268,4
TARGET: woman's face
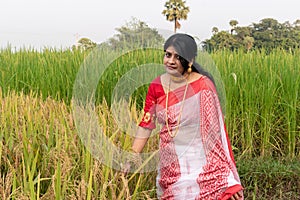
x,y
172,62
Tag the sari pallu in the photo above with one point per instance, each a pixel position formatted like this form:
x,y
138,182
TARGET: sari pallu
x,y
197,163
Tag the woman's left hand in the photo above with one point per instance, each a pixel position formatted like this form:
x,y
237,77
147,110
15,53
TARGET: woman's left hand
x,y
237,196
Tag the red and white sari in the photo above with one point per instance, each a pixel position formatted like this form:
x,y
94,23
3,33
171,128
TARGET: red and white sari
x,y
198,162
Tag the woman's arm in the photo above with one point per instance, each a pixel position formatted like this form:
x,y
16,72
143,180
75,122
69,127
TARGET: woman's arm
x,y
140,140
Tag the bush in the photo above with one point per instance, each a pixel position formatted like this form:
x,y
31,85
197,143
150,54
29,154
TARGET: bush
x,y
266,178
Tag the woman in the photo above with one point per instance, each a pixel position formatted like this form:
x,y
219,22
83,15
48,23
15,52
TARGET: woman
x,y
196,161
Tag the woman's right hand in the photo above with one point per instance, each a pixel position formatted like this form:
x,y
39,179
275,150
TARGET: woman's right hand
x,y
125,168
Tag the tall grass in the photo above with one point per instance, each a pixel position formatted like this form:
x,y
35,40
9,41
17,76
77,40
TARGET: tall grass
x,y
50,73
42,156
263,102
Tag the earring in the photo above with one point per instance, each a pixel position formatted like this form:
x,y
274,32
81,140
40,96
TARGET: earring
x,y
189,70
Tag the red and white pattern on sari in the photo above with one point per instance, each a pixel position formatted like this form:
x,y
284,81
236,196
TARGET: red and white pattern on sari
x,y
214,178
169,163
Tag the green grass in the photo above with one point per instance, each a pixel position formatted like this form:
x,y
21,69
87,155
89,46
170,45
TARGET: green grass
x,y
263,103
49,73
266,178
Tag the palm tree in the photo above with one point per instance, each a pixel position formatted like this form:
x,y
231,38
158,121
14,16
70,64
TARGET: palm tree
x,y
175,11
233,24
215,30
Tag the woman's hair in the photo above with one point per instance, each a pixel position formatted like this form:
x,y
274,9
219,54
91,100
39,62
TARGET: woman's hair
x,y
186,47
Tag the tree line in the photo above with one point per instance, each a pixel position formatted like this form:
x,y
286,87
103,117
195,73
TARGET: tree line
x,y
268,34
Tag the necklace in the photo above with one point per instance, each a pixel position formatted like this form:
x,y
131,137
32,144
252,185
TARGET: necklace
x,y
180,113
178,79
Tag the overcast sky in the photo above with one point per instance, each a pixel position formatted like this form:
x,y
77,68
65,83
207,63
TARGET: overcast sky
x,y
57,23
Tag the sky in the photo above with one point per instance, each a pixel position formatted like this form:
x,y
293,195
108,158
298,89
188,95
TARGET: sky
x,y
60,23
